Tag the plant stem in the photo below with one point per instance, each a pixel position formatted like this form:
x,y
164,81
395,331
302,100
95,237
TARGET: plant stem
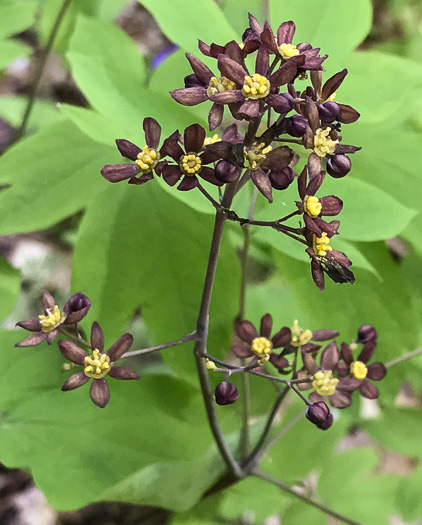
x,y
294,492
143,351
250,459
74,338
404,357
208,196
40,70
202,331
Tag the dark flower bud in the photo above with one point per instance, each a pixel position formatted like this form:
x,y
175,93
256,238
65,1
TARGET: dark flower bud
x,y
329,112
280,180
366,333
192,81
296,126
76,308
319,414
226,394
226,171
338,166
283,103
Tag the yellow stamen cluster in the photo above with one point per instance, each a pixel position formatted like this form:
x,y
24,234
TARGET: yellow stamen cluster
x,y
323,143
147,159
255,87
312,206
52,320
190,164
256,155
261,346
321,245
324,383
218,85
212,140
210,365
288,50
97,365
358,370
299,336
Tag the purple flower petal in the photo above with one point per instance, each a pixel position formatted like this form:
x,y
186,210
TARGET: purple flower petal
x,y
324,335
171,174
190,96
279,361
33,325
32,340
242,351
282,337
119,172
120,347
268,38
331,205
263,183
329,357
97,337
171,147
76,308
228,97
367,351
346,353
317,275
231,69
285,33
152,132
202,71
208,174
50,336
215,116
72,352
340,399
194,137
48,300
246,331
188,183
376,371
349,384
128,149
99,392
286,73
262,61
333,84
138,181
348,115
120,372
266,326
368,390
75,381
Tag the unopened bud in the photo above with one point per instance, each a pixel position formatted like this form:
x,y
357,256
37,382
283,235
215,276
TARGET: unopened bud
x,y
226,171
319,414
296,126
329,112
280,180
366,333
226,394
283,103
192,81
210,365
338,166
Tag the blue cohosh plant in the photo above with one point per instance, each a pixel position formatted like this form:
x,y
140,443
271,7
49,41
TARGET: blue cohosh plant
x,y
282,102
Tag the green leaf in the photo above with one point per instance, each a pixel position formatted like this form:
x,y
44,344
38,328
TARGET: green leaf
x,y
182,21
53,175
15,16
132,235
408,495
326,25
10,50
9,287
63,435
43,114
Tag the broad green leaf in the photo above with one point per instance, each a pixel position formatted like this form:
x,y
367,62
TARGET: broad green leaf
x,y
301,512
151,251
182,21
326,25
63,435
47,19
52,174
9,287
15,16
10,50
364,496
408,495
43,114
237,12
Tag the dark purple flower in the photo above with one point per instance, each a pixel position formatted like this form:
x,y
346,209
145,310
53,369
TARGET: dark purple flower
x,y
338,166
226,394
47,326
97,365
319,414
365,333
145,160
191,160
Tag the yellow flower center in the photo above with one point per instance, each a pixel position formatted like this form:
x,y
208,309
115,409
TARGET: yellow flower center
x,y
323,143
358,370
147,159
262,347
312,206
321,245
218,85
256,155
324,383
97,365
288,50
299,336
190,164
255,87
212,140
52,320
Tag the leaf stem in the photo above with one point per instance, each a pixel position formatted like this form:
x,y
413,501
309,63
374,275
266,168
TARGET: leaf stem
x,y
75,338
294,492
40,70
404,357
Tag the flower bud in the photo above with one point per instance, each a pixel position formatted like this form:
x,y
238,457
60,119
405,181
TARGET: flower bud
x,y
329,112
296,126
319,414
280,180
283,103
226,394
76,308
226,171
366,333
192,81
338,166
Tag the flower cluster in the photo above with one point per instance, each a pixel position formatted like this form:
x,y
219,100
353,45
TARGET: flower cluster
x,y
97,364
